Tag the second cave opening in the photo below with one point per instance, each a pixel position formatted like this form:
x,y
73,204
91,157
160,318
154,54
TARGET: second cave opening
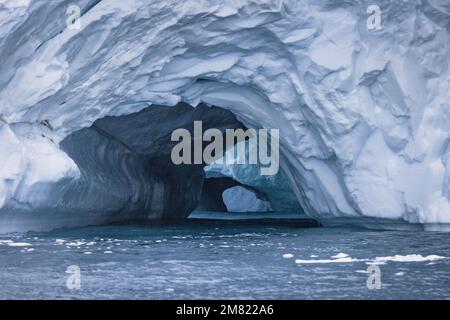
x,y
127,172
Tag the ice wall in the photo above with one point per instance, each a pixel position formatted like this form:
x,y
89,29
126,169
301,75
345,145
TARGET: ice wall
x,y
363,113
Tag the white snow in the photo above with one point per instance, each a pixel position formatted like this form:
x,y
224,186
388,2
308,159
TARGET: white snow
x,y
363,114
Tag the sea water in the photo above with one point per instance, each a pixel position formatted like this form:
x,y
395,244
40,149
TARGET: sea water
x,y
223,261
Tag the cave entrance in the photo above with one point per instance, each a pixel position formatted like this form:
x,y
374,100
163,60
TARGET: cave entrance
x,y
224,194
212,190
126,168
127,172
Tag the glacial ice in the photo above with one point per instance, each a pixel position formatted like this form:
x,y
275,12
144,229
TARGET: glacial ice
x,y
242,199
363,114
275,187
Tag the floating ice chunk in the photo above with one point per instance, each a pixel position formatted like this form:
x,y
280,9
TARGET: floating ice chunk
x,y
362,271
343,258
19,244
288,255
340,255
409,258
375,263
87,252
75,243
108,251
339,260
399,273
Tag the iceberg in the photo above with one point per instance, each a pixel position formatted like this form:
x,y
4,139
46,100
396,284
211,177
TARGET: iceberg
x,y
363,112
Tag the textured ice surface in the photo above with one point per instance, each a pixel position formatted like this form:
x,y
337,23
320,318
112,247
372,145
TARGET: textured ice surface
x,y
275,187
363,114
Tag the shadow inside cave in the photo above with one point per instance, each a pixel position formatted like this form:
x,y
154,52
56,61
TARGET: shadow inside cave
x,y
127,172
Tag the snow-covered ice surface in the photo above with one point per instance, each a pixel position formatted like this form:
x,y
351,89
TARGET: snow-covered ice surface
x,y
225,262
363,114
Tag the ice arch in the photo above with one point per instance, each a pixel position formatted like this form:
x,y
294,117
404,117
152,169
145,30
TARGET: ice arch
x,y
363,114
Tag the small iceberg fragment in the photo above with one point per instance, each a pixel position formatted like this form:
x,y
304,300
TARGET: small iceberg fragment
x,y
362,271
339,260
344,258
340,255
409,258
75,243
19,244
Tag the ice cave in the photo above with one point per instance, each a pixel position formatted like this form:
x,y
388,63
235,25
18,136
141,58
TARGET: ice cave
x,y
87,109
